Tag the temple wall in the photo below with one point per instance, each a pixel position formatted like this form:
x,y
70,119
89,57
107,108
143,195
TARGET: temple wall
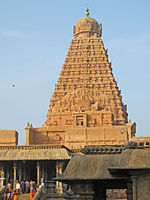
x,y
8,137
79,136
143,186
76,138
35,136
142,141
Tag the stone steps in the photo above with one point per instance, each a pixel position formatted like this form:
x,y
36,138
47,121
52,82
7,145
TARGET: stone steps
x,y
24,197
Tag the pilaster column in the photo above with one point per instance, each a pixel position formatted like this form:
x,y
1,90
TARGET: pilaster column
x,y
134,187
38,173
15,173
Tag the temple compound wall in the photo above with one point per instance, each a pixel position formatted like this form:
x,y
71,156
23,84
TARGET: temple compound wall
x,y
8,137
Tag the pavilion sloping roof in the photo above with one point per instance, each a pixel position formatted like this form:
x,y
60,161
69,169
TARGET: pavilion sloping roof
x,y
104,166
134,159
90,167
34,153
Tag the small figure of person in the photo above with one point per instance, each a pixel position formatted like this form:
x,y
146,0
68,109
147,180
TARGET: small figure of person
x,y
9,187
18,188
31,186
12,195
31,196
22,187
15,195
16,183
8,196
42,184
4,196
34,191
27,186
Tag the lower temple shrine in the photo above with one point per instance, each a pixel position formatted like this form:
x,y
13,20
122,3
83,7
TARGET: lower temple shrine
x,y
87,126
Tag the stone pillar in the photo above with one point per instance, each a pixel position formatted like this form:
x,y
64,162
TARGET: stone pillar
x,y
46,171
15,173
129,191
129,134
7,174
11,171
28,133
59,166
2,177
42,173
57,173
101,194
38,173
60,183
20,172
134,187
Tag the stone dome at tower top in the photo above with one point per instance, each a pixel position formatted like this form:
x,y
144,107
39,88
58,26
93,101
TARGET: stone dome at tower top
x,y
87,27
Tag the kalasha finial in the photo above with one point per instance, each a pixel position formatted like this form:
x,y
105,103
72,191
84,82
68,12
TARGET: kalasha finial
x,y
87,12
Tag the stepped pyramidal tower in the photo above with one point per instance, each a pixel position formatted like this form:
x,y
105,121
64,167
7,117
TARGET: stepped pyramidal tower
x,y
86,107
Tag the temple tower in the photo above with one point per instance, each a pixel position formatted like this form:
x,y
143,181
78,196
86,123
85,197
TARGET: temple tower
x,y
86,107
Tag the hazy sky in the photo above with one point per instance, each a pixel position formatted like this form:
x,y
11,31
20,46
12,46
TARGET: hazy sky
x,y
34,39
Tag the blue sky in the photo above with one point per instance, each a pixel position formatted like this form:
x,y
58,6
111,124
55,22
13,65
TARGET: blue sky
x,y
34,39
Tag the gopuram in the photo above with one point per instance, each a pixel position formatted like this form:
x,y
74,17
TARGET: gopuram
x,y
86,107
87,125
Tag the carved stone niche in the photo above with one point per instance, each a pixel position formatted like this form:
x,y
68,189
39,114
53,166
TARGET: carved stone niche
x,y
92,123
107,118
80,119
69,122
